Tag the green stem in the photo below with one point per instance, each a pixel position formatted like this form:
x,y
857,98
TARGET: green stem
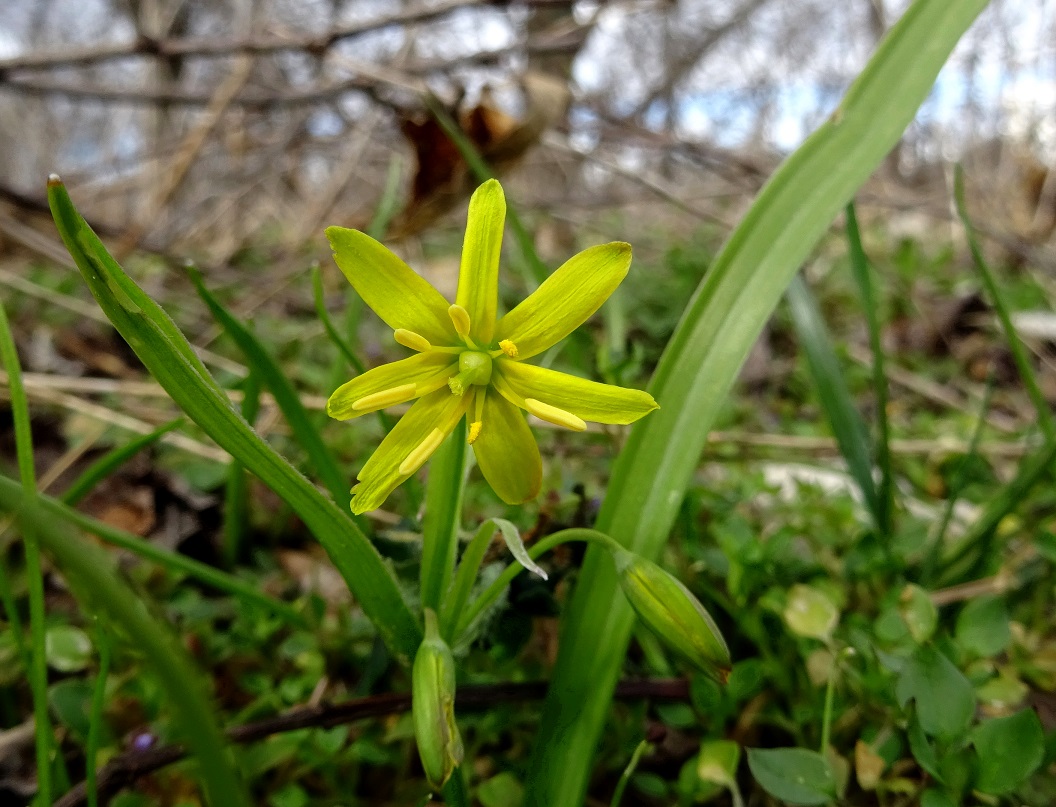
x,y
489,595
38,671
628,772
468,568
455,792
95,724
830,696
443,516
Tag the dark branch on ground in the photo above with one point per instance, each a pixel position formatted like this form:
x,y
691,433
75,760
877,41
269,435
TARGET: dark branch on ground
x,y
124,769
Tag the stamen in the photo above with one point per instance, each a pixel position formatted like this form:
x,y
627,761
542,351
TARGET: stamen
x,y
433,383
417,458
460,319
509,348
389,397
412,340
474,431
552,414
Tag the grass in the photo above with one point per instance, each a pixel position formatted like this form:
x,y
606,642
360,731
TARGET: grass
x,y
766,533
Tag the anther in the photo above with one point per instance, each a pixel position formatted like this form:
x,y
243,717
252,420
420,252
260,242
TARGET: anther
x,y
460,319
474,431
509,348
417,458
389,397
412,340
552,414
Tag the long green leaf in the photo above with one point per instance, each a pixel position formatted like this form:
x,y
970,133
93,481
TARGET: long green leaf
x,y
169,358
852,437
90,572
725,316
289,402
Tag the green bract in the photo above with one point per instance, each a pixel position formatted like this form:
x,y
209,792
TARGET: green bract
x,y
469,362
433,706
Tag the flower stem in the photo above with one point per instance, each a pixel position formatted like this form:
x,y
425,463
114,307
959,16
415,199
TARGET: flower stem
x,y
492,592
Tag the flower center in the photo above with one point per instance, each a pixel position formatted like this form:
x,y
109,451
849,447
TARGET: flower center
x,y
474,367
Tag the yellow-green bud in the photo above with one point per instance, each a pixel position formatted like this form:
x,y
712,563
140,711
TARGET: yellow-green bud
x,y
671,611
433,705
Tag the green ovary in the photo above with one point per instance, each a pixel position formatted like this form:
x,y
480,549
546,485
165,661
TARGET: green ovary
x,y
474,367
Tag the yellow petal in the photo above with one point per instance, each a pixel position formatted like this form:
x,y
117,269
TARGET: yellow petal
x,y
348,400
478,277
589,400
410,443
566,299
400,296
506,451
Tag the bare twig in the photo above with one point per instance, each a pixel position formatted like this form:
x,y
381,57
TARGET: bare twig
x,y
124,769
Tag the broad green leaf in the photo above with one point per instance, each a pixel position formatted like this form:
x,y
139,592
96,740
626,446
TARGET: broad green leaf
x,y
720,324
921,748
794,775
67,648
944,698
168,356
1010,749
933,797
500,790
982,626
918,612
847,425
809,612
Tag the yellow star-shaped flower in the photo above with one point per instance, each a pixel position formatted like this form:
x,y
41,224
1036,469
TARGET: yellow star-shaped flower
x,y
469,362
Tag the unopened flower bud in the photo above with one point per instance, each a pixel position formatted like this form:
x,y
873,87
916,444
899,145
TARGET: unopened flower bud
x,y
433,706
671,611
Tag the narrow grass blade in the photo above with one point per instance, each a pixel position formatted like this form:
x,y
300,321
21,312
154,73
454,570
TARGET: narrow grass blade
x,y
38,671
443,516
169,358
236,491
103,593
847,425
221,581
289,402
725,316
860,269
112,460
1046,421
931,560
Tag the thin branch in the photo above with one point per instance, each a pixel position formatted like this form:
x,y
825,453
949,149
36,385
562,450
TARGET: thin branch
x,y
228,46
124,769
